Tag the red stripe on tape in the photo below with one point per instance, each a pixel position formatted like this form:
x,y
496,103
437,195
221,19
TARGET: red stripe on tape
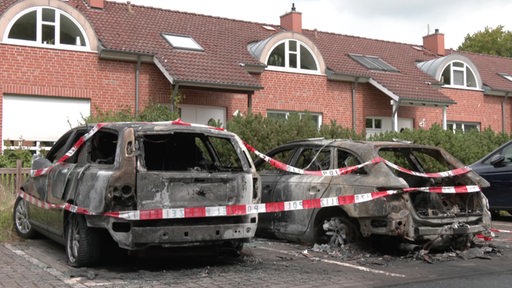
x,y
311,203
236,210
274,206
151,214
194,212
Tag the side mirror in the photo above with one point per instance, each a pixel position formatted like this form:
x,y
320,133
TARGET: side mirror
x,y
39,162
497,160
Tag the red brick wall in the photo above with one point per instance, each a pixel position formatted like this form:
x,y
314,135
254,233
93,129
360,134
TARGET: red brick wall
x,y
474,106
60,73
299,92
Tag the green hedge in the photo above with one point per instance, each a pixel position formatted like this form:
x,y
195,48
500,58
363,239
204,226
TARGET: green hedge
x,y
266,133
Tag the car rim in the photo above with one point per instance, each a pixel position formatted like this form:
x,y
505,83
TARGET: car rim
x,y
73,242
22,223
337,231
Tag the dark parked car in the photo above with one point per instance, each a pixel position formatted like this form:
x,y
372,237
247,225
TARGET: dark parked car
x,y
135,167
415,216
496,167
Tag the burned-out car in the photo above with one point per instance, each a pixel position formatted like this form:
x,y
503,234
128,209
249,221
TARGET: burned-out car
x,y
140,184
407,214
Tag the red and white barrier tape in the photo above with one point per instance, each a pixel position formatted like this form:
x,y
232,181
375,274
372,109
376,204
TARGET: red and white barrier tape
x,y
444,174
273,162
500,230
245,209
331,172
82,140
347,170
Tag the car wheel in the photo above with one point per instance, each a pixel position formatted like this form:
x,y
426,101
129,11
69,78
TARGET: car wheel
x,y
338,231
83,244
21,221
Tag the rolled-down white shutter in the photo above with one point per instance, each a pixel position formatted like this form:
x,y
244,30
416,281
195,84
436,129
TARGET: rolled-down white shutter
x,y
35,118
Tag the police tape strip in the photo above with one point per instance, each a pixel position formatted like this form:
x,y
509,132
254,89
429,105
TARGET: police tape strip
x,y
444,174
81,140
331,172
500,230
346,170
273,162
245,209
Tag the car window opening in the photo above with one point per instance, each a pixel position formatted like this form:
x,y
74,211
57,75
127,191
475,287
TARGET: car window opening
x,y
103,147
189,152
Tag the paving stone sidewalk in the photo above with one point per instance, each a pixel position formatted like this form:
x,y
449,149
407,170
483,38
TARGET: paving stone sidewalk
x,y
18,271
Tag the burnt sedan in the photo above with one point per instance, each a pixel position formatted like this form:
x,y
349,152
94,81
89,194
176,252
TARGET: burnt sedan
x,y
413,215
139,184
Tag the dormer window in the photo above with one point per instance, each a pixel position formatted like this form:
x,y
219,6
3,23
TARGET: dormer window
x,y
48,27
292,55
458,74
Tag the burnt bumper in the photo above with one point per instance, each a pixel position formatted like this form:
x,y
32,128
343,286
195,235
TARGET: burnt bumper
x,y
182,236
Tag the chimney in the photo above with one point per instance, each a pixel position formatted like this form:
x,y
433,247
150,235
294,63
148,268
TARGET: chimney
x,y
434,43
98,4
292,21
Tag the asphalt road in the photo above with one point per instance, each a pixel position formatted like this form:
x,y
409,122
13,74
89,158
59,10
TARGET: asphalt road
x,y
264,263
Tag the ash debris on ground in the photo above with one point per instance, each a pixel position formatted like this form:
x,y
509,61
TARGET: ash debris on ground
x,y
381,252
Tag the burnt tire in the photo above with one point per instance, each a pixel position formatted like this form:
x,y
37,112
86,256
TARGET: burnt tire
x,y
21,221
338,231
83,244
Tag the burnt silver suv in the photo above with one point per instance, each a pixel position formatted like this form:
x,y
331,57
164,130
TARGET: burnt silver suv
x,y
153,167
413,215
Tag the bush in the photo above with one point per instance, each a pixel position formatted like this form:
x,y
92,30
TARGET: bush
x,y
467,147
152,113
6,206
266,133
8,159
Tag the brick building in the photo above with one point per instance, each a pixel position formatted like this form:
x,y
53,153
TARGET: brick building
x,y
64,59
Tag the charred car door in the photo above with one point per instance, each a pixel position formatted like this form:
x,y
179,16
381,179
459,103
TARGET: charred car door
x,y
49,187
270,176
61,179
291,187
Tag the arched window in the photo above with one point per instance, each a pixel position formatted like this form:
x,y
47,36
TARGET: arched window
x,y
292,55
458,73
47,27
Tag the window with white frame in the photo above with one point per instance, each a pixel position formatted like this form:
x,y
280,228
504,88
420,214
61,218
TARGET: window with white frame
x,y
315,117
292,55
47,27
374,123
462,126
459,74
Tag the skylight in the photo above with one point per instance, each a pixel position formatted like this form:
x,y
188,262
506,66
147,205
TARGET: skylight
x,y
373,63
182,42
506,76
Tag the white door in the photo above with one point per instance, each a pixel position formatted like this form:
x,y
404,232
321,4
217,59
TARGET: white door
x,y
37,118
203,114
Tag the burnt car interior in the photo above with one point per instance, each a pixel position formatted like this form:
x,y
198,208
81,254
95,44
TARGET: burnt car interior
x,y
103,147
432,204
189,151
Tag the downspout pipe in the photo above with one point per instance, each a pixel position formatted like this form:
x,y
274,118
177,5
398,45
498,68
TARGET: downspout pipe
x,y
249,102
137,76
503,114
394,117
354,116
173,97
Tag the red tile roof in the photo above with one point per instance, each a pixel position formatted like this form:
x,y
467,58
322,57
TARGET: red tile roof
x,y
138,30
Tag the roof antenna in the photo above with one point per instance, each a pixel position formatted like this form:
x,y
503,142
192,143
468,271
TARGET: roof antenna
x,y
293,7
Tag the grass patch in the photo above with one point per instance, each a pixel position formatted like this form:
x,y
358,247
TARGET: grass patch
x,y
6,205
